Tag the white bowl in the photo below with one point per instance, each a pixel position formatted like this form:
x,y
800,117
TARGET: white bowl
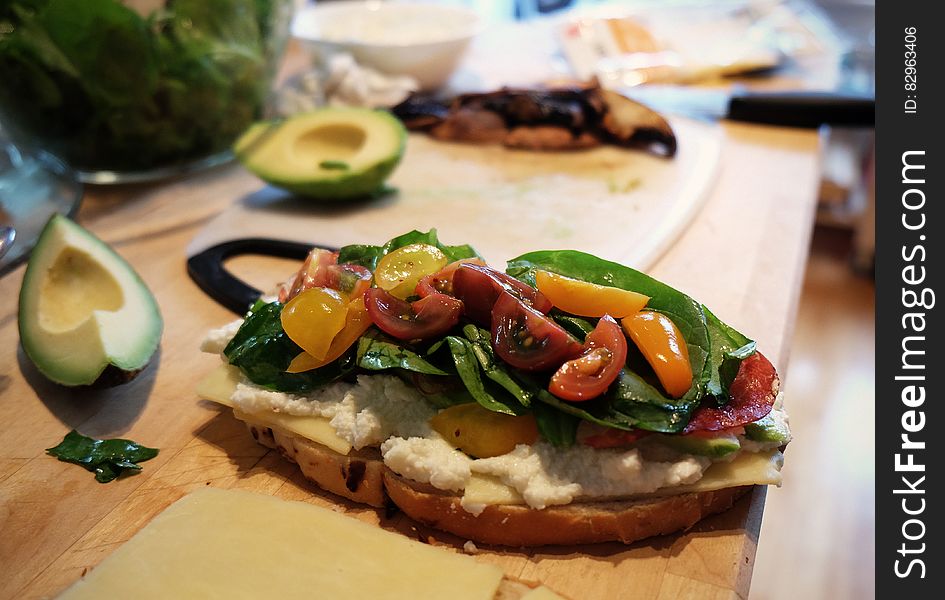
x,y
424,41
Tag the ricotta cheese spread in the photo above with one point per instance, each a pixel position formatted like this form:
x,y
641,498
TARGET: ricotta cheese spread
x,y
381,410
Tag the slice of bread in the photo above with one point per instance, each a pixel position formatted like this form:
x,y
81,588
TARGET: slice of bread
x,y
361,476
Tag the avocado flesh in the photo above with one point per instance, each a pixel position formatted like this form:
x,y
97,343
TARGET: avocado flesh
x,y
327,154
715,447
768,429
83,308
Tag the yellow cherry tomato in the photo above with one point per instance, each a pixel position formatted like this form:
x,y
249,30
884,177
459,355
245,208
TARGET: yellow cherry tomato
x,y
313,319
357,322
663,347
482,433
399,271
588,299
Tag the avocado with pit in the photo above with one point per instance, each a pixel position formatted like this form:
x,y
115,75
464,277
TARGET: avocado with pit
x,y
714,447
85,317
326,154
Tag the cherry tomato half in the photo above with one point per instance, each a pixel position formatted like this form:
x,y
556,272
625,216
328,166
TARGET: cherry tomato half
x,y
351,280
588,299
663,347
313,318
442,280
527,339
482,433
399,271
589,375
314,273
428,317
479,288
357,321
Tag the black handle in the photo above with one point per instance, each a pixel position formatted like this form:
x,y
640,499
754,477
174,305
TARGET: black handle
x,y
208,272
803,109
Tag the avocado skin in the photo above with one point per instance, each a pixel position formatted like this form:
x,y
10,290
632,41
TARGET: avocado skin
x,y
342,185
716,447
347,187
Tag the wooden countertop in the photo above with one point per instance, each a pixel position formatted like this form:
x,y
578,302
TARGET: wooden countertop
x,y
743,256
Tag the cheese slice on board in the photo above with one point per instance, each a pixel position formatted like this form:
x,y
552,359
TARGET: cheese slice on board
x,y
231,544
219,386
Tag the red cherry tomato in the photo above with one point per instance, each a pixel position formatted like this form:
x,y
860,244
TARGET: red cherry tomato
x,y
751,396
479,288
527,339
589,375
351,280
614,438
425,318
314,273
442,280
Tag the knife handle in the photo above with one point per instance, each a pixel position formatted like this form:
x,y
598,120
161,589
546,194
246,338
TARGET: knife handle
x,y
803,109
207,270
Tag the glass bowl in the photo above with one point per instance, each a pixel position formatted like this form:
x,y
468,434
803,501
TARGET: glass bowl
x,y
137,90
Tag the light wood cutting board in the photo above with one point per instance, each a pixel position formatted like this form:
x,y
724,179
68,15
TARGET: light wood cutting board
x,y
619,204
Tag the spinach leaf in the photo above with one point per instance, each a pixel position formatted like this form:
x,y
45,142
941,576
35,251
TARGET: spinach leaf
x,y
368,256
727,350
579,327
467,366
263,351
557,428
685,312
377,352
495,370
106,458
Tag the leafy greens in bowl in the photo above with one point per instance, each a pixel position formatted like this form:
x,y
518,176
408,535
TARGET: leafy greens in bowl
x,y
108,90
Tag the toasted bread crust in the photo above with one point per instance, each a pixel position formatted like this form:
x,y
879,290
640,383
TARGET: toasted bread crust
x,y
578,523
362,477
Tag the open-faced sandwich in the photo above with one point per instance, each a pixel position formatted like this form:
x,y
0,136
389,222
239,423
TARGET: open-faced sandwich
x,y
566,399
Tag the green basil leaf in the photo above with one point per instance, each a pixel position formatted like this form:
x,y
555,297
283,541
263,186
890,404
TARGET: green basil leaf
x,y
106,458
376,352
557,428
263,352
495,370
467,366
368,256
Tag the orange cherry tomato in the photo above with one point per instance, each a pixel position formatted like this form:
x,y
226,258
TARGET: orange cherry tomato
x,y
588,299
398,272
313,319
482,433
357,322
663,347
314,273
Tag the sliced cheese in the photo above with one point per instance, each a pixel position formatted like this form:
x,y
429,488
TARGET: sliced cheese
x,y
748,468
219,387
232,544
317,429
541,593
484,489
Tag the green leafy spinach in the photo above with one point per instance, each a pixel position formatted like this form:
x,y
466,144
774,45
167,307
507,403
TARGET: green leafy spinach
x,y
106,458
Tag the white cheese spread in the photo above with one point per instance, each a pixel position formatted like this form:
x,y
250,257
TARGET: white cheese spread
x,y
381,410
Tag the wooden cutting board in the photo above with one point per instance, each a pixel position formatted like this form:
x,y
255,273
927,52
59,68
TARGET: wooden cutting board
x,y
619,204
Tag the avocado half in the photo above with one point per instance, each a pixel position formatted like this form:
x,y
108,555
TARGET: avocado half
x,y
84,313
328,154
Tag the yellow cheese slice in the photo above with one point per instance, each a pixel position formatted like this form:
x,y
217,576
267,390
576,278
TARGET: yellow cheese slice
x,y
317,429
488,489
230,544
219,387
748,468
541,593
